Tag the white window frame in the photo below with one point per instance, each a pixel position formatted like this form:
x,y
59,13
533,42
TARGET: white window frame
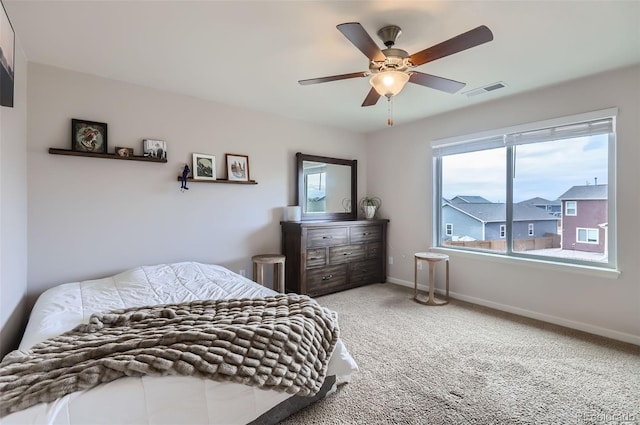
x,y
589,123
503,231
587,230
448,229
531,229
574,209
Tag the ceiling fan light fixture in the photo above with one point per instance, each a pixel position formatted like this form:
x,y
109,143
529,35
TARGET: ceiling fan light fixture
x,y
389,83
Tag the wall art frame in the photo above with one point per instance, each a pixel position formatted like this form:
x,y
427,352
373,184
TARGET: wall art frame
x,y
204,167
7,59
88,136
154,148
237,167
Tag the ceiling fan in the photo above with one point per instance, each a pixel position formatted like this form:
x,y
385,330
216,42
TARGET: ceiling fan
x,y
392,68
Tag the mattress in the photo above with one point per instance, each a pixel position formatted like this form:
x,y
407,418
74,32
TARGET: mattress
x,y
153,400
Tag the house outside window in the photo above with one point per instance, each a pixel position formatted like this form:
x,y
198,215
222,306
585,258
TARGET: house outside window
x,y
517,191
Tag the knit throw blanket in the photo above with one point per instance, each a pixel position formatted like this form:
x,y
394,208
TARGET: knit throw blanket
x,y
282,342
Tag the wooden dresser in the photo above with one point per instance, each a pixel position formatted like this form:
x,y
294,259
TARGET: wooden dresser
x,y
331,256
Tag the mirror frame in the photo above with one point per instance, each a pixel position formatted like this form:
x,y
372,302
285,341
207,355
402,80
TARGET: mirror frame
x,y
300,158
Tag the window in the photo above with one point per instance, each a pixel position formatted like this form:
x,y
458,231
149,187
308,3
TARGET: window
x,y
315,179
587,235
490,187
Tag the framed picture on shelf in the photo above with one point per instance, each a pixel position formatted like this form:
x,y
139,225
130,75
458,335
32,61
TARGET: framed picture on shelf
x,y
124,152
154,148
7,45
88,136
237,167
204,167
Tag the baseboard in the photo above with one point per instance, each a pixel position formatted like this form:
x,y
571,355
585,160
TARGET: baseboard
x,y
584,327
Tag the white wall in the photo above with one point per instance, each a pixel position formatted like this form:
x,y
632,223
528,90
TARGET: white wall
x,y
13,207
93,217
589,302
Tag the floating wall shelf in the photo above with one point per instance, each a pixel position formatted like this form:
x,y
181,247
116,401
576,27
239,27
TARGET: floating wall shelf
x,y
69,152
191,179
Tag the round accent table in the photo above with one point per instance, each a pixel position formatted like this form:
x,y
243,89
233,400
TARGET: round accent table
x,y
432,258
278,269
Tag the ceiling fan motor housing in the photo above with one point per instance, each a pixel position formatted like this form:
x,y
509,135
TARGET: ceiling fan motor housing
x,y
389,34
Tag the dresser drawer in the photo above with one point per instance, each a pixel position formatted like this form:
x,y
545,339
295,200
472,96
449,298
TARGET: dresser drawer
x,y
346,254
326,279
364,272
316,257
366,233
327,236
374,250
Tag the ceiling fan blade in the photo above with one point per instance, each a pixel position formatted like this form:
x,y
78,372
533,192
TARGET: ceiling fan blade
x,y
372,98
333,78
434,82
357,35
461,42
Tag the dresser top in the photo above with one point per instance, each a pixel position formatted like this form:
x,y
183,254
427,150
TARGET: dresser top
x,y
333,223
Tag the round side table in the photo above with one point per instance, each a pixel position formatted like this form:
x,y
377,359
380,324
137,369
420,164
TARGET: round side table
x,y
278,269
432,258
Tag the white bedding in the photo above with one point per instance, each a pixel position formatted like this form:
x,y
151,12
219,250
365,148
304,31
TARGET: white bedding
x,y
152,400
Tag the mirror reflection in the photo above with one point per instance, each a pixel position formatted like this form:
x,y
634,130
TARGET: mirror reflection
x,y
326,187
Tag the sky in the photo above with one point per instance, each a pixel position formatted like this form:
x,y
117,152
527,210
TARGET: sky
x,y
545,170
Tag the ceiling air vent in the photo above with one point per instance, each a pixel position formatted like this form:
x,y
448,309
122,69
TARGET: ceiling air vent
x,y
485,89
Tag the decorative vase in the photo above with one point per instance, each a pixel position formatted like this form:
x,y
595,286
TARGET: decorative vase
x,y
370,211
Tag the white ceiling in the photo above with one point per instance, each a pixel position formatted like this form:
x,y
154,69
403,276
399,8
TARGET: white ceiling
x,y
251,54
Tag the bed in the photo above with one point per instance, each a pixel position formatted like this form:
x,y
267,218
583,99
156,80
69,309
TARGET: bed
x,y
172,399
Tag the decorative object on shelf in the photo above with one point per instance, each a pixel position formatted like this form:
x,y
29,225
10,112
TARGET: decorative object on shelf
x,y
124,152
237,167
185,176
154,148
293,213
369,206
7,46
204,167
88,136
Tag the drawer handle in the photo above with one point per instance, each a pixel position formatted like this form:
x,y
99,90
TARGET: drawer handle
x,y
315,258
327,237
347,253
365,233
327,277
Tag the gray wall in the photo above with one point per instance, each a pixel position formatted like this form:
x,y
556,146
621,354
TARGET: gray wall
x,y
601,303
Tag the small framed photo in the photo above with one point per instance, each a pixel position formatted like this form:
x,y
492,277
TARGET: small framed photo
x,y
154,148
88,136
237,167
124,152
204,167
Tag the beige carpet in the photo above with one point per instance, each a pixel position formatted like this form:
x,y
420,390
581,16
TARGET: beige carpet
x,y
464,364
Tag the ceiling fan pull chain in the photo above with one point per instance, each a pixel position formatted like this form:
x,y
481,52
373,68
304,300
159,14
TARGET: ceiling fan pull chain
x,y
390,107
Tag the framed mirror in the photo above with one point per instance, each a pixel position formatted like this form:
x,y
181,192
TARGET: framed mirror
x,y
326,187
